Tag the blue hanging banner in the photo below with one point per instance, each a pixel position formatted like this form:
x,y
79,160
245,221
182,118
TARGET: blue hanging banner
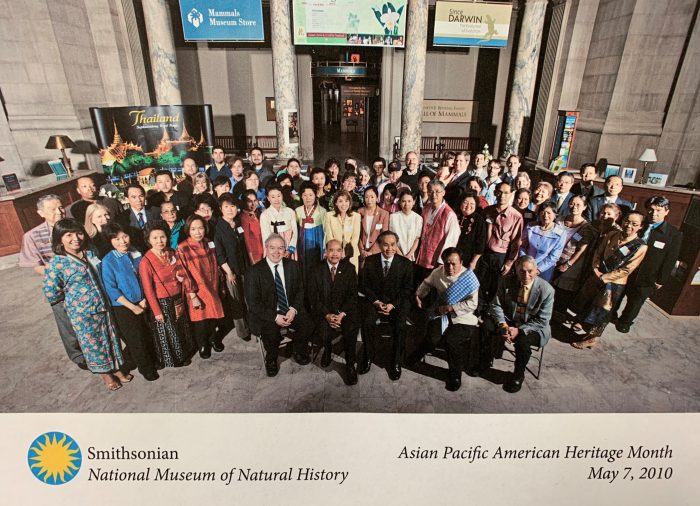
x,y
229,20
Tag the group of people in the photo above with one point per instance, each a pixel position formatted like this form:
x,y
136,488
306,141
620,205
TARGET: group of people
x,y
470,256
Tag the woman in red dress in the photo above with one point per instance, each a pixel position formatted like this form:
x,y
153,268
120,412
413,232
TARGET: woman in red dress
x,y
198,257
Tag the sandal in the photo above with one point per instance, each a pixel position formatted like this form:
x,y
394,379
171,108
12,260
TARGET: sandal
x,y
113,386
585,344
126,379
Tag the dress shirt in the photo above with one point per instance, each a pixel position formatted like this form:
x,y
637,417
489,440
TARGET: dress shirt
x,y
504,231
463,311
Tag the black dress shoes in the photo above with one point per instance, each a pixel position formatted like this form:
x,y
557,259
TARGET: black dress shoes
x,y
151,376
453,384
205,352
351,375
472,372
246,338
395,372
326,358
622,328
271,368
217,346
302,358
513,385
364,366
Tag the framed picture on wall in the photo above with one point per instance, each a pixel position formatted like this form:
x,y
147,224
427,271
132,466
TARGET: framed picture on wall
x,y
628,174
611,170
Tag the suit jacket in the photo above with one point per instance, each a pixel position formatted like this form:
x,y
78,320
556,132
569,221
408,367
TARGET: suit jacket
x,y
587,192
663,247
261,295
564,210
395,289
128,220
537,313
380,223
455,189
332,297
595,204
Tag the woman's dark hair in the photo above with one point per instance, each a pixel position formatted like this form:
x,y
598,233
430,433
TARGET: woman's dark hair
x,y
547,205
349,174
331,161
523,190
229,199
371,188
206,198
294,160
338,194
307,185
156,225
477,179
405,191
469,194
581,197
111,230
190,220
281,177
274,186
391,188
220,181
63,227
319,170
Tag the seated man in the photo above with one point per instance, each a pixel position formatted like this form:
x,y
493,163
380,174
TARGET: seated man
x,y
386,281
453,318
332,289
275,299
521,311
36,253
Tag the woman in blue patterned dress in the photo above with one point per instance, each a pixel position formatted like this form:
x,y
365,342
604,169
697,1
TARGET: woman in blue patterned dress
x,y
72,275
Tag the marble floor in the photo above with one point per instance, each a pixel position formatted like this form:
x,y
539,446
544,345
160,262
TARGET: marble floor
x,y
654,368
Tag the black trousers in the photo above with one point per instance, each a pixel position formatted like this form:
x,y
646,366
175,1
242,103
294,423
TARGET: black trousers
x,y
522,344
489,272
348,329
457,336
204,332
136,335
271,337
636,296
397,325
67,334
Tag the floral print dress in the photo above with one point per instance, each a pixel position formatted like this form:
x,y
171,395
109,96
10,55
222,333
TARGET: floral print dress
x,y
76,280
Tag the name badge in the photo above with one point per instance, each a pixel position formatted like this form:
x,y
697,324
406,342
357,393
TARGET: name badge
x,y
378,226
490,221
308,225
240,230
135,254
659,244
177,207
173,260
212,245
577,237
624,250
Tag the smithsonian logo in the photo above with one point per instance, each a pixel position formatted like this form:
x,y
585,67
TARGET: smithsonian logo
x,y
54,458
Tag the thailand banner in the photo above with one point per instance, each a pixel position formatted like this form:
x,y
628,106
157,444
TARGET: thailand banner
x,y
137,141
471,24
230,20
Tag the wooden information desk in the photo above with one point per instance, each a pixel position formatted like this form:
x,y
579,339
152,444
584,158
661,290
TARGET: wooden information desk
x,y
18,209
679,297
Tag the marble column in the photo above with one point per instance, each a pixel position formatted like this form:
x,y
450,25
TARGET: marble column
x,y
525,73
414,76
161,46
284,76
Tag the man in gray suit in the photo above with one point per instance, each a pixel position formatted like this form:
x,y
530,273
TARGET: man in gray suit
x,y
521,311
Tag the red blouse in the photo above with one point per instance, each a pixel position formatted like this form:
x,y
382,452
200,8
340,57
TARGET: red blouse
x,y
202,271
252,236
159,278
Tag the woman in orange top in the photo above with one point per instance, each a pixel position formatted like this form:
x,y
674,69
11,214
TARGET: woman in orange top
x,y
198,256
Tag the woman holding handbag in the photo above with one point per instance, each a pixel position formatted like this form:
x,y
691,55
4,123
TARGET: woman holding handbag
x,y
162,277
197,255
617,256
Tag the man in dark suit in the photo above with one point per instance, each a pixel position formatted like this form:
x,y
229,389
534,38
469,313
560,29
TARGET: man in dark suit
x,y
166,193
456,188
275,296
333,297
663,246
386,281
613,187
562,195
521,312
137,216
586,187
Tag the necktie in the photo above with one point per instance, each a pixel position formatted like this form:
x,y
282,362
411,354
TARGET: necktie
x,y
386,268
333,269
139,218
560,201
522,304
647,231
282,304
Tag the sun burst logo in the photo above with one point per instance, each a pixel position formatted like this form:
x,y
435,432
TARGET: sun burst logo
x,y
54,458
